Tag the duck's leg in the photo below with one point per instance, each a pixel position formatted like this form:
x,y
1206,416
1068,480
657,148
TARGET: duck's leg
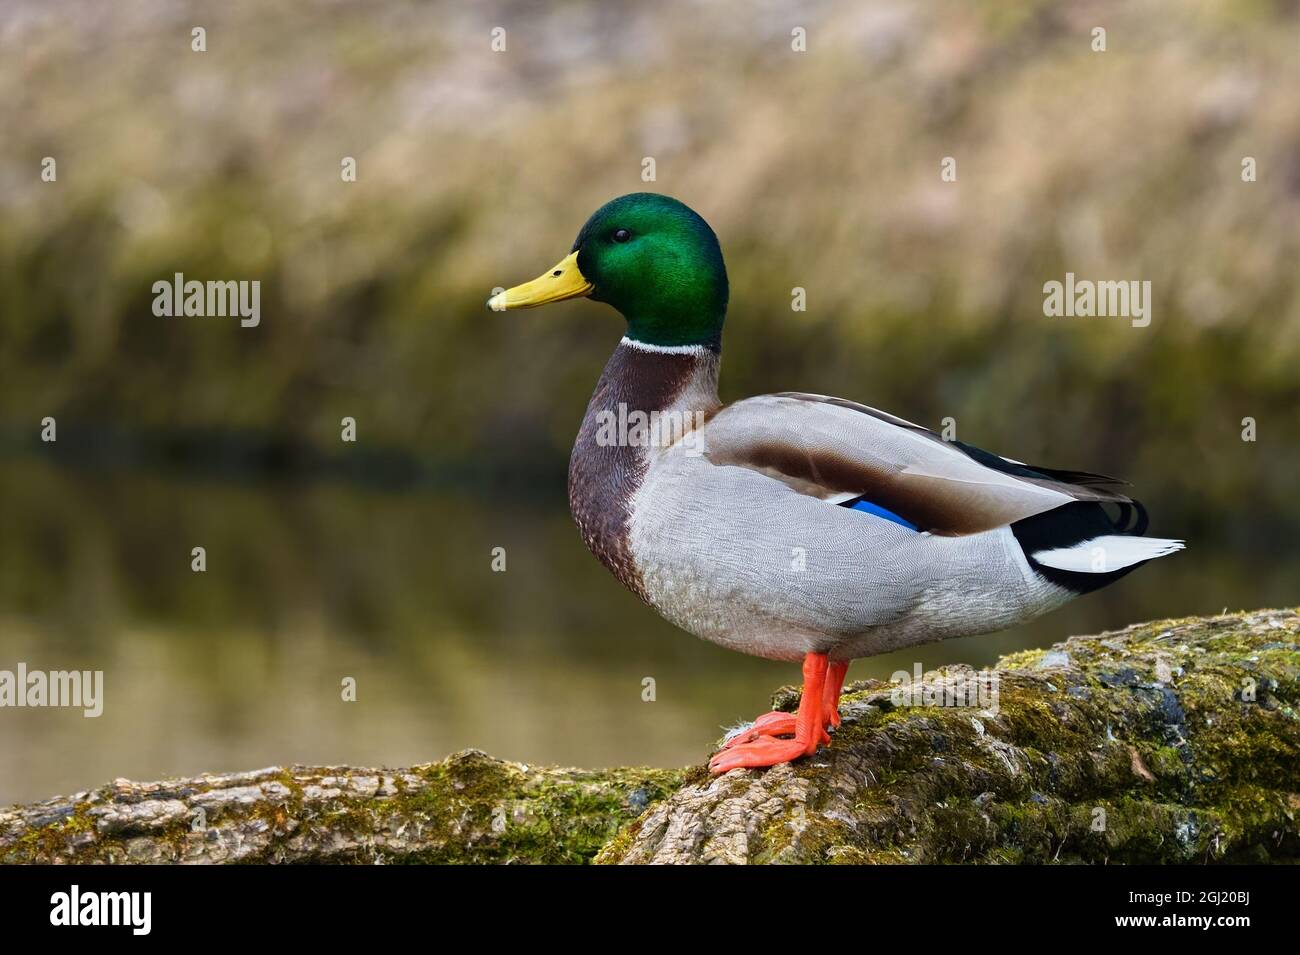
x,y
778,723
809,727
835,675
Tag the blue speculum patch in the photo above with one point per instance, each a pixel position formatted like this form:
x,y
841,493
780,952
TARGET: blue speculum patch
x,y
864,505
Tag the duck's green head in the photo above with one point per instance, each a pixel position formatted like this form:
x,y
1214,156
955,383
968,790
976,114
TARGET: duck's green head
x,y
652,258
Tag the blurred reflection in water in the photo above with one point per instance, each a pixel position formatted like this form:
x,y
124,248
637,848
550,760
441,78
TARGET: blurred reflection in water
x,y
241,666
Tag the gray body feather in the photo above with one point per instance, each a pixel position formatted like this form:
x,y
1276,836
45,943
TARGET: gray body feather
x,y
744,560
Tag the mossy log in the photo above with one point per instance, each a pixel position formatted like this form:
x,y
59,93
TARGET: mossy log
x,y
1174,741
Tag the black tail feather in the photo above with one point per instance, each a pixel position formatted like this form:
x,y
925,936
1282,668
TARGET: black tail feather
x,y
1075,523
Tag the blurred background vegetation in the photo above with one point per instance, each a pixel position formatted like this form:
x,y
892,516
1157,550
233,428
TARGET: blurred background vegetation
x,y
475,169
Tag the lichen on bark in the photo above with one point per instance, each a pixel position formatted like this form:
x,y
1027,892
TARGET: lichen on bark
x,y
1174,741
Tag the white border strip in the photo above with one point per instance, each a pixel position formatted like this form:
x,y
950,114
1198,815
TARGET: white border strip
x,y
666,349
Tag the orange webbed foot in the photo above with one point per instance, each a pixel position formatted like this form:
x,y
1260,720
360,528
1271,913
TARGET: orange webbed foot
x,y
757,754
777,723
774,723
759,746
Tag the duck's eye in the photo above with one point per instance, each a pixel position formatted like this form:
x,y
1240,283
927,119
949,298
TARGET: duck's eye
x,y
622,235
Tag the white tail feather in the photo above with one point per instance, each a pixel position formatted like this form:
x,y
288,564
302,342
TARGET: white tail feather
x,y
1102,555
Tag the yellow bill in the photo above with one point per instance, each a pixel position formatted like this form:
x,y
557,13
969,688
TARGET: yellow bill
x,y
563,281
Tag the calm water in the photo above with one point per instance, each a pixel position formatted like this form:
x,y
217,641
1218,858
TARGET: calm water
x,y
241,666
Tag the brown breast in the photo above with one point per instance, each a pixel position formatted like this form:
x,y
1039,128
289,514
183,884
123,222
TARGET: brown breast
x,y
604,475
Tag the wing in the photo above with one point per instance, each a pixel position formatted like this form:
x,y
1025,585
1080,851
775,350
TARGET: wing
x,y
841,451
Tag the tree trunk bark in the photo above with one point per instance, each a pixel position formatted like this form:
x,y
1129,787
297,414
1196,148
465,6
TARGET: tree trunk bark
x,y
1174,741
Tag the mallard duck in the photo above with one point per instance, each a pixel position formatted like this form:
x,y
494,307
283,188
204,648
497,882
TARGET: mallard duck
x,y
796,526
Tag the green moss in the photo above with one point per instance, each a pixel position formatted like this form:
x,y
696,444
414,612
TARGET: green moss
x,y
1023,660
47,841
484,810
